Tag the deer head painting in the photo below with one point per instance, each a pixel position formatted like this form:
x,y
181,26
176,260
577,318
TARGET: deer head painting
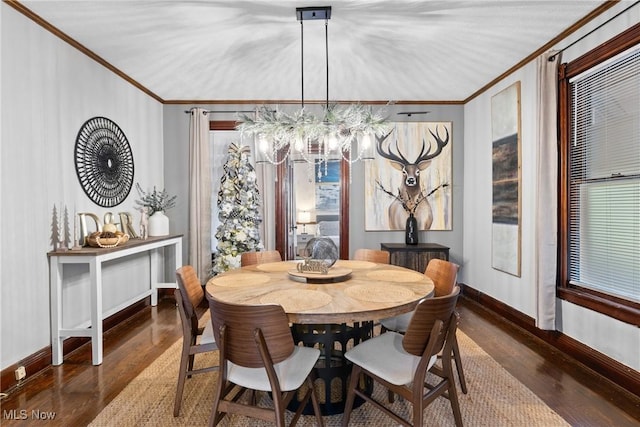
x,y
411,174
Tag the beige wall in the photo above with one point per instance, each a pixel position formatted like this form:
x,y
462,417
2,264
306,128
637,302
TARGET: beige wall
x,y
616,339
49,89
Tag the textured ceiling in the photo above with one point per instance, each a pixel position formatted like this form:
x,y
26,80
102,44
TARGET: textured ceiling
x,y
250,50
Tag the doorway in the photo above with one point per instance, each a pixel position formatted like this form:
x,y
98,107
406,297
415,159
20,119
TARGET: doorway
x,y
315,201
333,190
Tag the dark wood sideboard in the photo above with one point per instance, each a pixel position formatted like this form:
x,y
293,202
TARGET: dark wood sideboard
x,y
415,257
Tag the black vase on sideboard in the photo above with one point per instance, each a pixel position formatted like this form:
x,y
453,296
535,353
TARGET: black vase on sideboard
x,y
411,231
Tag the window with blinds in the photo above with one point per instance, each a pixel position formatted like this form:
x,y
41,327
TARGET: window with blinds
x,y
604,177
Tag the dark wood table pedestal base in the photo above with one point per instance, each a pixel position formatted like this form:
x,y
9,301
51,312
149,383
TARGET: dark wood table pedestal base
x,y
333,369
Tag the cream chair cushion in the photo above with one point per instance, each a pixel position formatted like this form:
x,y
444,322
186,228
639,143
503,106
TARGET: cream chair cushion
x,y
375,355
291,372
397,323
207,334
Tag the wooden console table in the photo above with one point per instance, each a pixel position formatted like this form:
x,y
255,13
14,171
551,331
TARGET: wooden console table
x,y
94,257
415,257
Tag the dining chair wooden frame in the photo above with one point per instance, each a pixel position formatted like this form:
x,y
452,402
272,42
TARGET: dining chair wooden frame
x,y
372,255
444,275
196,339
260,257
257,353
401,362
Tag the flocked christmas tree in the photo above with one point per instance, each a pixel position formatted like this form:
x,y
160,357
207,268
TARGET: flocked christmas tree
x,y
238,211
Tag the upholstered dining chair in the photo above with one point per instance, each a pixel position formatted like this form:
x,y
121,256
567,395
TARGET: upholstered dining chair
x,y
443,274
252,258
373,255
257,353
401,362
196,339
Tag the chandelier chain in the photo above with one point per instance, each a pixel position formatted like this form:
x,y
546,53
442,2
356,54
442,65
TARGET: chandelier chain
x,y
340,134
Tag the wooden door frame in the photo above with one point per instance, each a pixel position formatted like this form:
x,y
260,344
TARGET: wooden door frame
x,y
282,232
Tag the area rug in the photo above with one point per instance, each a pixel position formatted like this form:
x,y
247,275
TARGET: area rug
x,y
495,399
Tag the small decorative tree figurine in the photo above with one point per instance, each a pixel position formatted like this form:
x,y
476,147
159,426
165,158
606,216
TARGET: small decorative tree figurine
x,y
238,211
55,229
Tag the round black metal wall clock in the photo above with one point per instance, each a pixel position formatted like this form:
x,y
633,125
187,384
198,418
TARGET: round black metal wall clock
x,y
104,162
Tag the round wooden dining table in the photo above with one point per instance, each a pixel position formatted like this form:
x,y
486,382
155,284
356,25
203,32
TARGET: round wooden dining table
x,y
332,311
353,291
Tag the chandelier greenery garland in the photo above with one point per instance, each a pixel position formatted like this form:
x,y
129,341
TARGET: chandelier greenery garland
x,y
335,131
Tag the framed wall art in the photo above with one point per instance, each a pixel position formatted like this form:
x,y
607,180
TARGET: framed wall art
x,y
411,172
506,184
104,162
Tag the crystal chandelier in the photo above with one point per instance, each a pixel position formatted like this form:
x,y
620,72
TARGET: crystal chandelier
x,y
340,133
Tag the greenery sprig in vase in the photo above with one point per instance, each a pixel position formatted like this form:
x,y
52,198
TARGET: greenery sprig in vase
x,y
155,201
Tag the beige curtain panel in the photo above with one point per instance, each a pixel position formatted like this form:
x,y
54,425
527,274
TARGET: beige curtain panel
x,y
547,191
199,193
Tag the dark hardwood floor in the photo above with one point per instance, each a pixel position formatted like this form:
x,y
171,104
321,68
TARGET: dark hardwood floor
x,y
77,391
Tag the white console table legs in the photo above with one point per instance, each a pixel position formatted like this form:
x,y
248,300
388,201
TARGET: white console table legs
x,y
94,257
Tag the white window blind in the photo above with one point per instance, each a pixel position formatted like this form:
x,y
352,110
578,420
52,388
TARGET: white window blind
x,y
604,229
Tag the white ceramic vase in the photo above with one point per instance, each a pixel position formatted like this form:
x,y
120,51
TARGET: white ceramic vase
x,y
158,224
